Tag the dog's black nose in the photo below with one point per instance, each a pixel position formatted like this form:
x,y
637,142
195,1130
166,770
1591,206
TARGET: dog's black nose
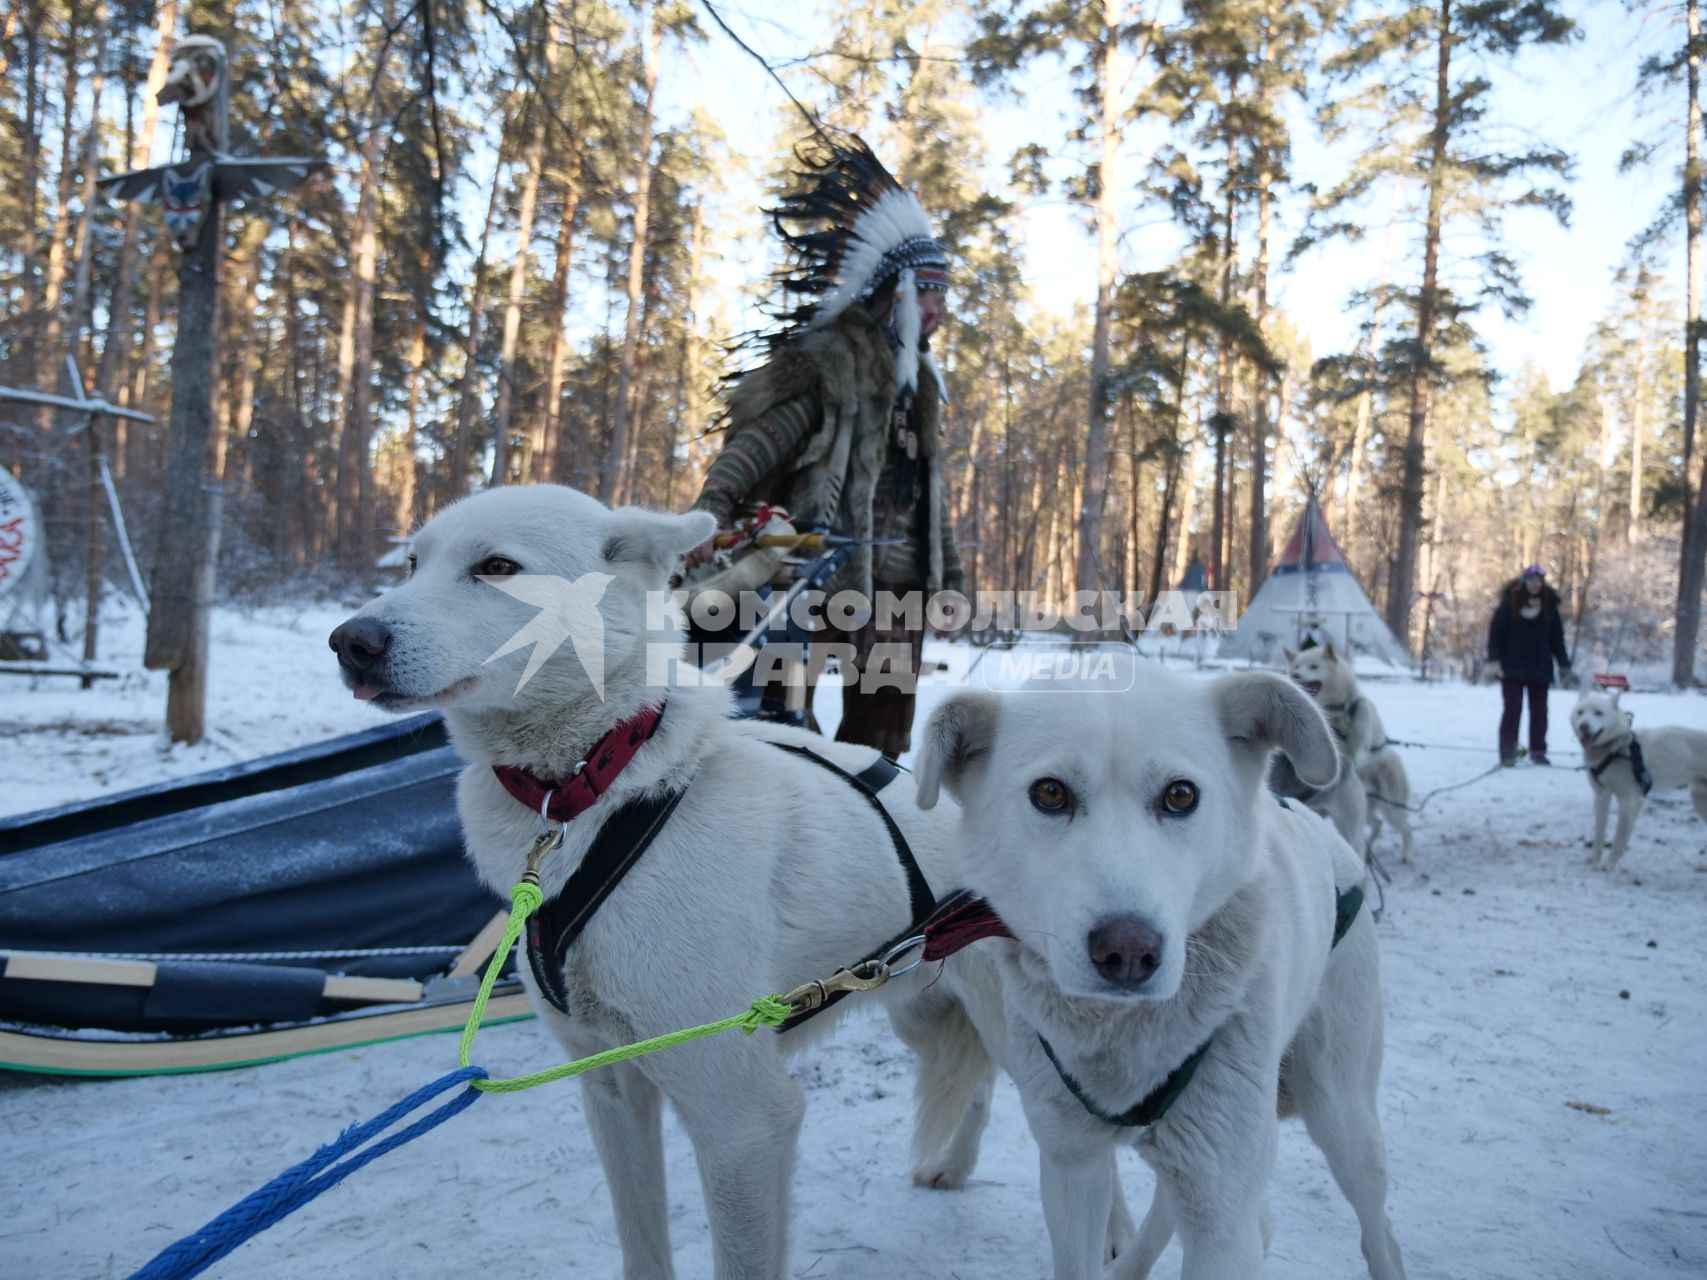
x,y
1125,950
360,643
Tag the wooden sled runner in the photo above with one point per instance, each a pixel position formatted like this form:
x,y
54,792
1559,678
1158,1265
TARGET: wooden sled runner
x,y
310,901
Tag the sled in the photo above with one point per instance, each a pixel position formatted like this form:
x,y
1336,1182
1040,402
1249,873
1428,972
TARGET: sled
x,y
1607,680
305,902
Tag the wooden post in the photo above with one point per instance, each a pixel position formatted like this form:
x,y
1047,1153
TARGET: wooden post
x,y
193,192
182,591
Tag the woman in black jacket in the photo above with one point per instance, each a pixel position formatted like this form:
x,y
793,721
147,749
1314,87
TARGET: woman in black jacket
x,y
1525,639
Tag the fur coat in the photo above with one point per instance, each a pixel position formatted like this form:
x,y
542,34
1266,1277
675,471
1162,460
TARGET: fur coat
x,y
831,478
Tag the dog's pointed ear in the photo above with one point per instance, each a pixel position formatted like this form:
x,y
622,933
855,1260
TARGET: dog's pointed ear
x,y
1259,711
654,538
1328,650
1291,654
1617,694
957,735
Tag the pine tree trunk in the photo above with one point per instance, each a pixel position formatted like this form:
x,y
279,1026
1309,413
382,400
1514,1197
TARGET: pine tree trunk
x,y
613,477
1107,213
354,543
50,367
241,401
1259,409
409,482
639,396
118,341
1176,468
1366,401
143,380
1134,473
1218,568
1411,485
507,374
468,395
1188,504
1638,429
688,390
82,249
557,306
29,180
1690,571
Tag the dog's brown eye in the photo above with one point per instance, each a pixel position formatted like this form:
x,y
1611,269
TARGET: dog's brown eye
x,y
1179,796
497,567
1051,795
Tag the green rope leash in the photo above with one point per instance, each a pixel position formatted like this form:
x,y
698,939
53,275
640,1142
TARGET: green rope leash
x,y
525,897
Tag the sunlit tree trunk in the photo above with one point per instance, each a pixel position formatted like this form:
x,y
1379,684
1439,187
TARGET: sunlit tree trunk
x,y
1422,375
507,373
613,476
468,394
1689,578
557,306
1109,85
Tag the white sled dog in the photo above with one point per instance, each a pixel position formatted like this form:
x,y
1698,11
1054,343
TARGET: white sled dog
x,y
1174,929
1327,676
770,872
1624,765
1342,802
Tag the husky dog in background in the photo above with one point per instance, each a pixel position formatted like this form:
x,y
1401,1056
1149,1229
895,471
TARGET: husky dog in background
x,y
1623,765
721,908
1173,946
1342,802
1327,676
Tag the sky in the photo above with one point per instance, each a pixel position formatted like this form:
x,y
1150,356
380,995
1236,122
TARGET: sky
x,y
1579,97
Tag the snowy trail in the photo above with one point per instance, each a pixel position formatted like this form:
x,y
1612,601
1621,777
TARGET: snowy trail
x,y
1505,962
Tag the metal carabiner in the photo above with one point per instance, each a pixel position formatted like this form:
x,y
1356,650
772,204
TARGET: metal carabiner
x,y
543,844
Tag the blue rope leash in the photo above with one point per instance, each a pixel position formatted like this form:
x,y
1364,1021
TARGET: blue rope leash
x,y
299,1184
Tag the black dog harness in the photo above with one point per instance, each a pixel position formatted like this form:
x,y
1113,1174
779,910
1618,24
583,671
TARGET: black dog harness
x,y
630,831
1644,779
1153,1106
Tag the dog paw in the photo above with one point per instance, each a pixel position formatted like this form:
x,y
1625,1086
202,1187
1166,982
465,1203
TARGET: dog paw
x,y
940,1178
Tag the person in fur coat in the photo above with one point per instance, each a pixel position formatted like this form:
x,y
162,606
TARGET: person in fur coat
x,y
840,424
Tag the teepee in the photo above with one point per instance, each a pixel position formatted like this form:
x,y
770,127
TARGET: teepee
x,y
1310,594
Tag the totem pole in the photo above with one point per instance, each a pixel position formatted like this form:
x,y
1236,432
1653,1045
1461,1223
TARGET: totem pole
x,y
191,192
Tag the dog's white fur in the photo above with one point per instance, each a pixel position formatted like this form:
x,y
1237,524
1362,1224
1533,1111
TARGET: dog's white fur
x,y
1242,893
1675,758
770,873
1328,677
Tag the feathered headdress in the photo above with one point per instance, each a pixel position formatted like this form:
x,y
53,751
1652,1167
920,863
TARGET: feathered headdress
x,y
849,229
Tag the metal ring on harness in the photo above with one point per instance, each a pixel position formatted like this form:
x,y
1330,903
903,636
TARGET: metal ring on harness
x,y
901,948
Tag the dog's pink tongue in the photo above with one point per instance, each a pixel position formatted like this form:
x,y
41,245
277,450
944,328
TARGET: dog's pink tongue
x,y
366,692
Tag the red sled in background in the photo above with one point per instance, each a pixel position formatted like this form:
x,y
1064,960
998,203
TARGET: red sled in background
x,y
1607,680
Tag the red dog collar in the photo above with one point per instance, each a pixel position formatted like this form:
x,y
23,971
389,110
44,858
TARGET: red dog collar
x,y
562,801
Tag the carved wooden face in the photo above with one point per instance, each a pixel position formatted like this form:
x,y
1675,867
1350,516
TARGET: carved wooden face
x,y
193,78
186,195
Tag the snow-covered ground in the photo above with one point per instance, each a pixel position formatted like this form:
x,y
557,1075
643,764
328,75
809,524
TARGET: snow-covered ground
x,y
272,684
1545,1050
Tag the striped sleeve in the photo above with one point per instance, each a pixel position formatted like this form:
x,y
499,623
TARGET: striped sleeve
x,y
753,451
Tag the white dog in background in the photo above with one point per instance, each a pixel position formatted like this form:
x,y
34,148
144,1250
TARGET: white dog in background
x,y
1327,676
1163,902
771,871
1624,765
